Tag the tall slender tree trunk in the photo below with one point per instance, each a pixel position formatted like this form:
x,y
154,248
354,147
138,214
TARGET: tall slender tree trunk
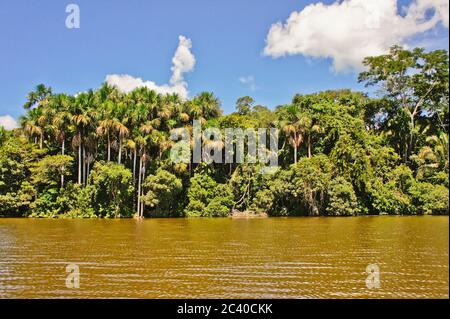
x,y
84,165
309,146
411,139
87,171
79,159
109,148
134,166
143,178
120,150
41,140
63,145
139,188
295,148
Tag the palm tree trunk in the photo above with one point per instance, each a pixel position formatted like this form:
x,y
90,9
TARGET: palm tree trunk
x,y
134,166
109,148
143,178
79,159
139,189
120,150
309,146
84,165
41,140
87,172
295,148
63,145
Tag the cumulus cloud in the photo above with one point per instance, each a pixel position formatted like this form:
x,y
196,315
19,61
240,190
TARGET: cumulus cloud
x,y
8,122
347,31
249,81
182,62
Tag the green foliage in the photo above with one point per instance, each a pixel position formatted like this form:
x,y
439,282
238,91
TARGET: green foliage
x,y
340,152
429,199
244,105
48,171
16,191
207,198
3,135
342,199
76,202
417,85
387,199
311,179
162,193
245,181
17,203
16,156
112,189
276,197
221,202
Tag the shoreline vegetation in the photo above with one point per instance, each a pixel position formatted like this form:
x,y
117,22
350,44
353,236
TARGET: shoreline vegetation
x,y
106,153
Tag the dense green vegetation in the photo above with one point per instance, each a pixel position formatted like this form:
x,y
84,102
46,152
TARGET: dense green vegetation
x,y
104,153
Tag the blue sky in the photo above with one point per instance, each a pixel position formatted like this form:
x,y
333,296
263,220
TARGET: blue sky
x,y
139,38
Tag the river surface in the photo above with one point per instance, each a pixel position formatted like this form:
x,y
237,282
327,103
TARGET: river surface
x,y
226,258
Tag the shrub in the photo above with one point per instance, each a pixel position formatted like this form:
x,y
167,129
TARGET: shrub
x,y
208,198
430,199
112,189
342,199
162,191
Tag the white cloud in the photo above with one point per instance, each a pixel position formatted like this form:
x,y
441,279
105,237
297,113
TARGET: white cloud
x,y
127,83
349,30
249,81
8,122
183,61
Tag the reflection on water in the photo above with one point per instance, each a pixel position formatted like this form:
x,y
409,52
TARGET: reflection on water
x,y
226,258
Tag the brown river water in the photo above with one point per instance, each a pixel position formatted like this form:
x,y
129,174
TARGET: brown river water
x,y
226,258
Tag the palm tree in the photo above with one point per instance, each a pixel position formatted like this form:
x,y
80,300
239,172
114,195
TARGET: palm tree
x,y
440,148
60,120
31,129
104,128
295,127
31,126
312,129
108,93
141,142
204,106
123,131
131,145
81,118
38,96
210,105
433,156
89,154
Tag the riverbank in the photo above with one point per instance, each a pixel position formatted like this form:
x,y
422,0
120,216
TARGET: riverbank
x,y
233,215
247,214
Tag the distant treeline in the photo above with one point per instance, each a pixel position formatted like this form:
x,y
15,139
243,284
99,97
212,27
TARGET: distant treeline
x,y
105,153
